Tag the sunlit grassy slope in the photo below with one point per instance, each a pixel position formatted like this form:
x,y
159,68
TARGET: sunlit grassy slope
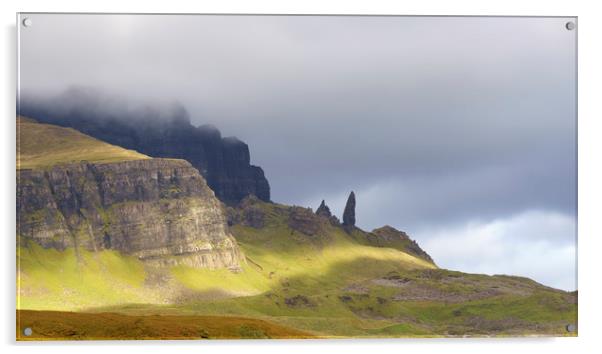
x,y
277,254
56,280
45,145
329,285
334,285
63,280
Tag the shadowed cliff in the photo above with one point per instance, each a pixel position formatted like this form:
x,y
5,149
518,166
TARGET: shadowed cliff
x,y
157,131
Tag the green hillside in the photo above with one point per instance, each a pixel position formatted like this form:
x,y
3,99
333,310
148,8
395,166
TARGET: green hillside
x,y
274,256
303,275
44,145
329,285
334,284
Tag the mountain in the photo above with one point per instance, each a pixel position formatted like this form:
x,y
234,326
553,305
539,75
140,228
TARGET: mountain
x,y
160,211
224,162
111,239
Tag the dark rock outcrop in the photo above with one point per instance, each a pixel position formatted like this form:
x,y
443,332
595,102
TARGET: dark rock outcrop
x,y
388,236
248,213
252,212
299,301
349,213
158,210
305,221
224,162
324,211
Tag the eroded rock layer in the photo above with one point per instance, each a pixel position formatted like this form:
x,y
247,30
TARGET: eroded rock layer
x,y
159,210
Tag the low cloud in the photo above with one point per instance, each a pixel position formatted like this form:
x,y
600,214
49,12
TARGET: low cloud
x,y
536,244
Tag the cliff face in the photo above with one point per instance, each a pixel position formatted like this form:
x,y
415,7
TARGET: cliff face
x,y
159,210
224,162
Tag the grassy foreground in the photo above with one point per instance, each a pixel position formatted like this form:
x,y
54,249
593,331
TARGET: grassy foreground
x,y
54,325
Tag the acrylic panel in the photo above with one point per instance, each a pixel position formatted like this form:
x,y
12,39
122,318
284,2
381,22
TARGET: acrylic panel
x,y
295,176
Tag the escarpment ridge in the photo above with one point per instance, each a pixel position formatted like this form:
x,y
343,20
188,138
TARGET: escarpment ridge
x,y
159,210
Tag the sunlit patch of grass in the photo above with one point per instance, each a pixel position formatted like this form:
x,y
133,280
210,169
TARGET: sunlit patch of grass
x,y
249,281
52,279
45,145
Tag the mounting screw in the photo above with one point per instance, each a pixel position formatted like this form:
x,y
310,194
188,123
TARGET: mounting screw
x,y
27,22
27,331
570,25
571,328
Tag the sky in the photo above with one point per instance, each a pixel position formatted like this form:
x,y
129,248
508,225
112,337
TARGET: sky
x,y
460,131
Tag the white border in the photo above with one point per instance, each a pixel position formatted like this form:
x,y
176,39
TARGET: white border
x,y
590,176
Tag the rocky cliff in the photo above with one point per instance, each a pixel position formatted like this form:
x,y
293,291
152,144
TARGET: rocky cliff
x,y
388,236
224,162
159,210
324,211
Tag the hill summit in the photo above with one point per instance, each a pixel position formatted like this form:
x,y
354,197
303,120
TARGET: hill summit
x,y
224,162
44,145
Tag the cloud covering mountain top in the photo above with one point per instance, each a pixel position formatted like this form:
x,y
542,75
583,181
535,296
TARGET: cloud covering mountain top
x,y
437,123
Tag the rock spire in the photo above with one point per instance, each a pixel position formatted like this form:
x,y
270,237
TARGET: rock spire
x,y
349,213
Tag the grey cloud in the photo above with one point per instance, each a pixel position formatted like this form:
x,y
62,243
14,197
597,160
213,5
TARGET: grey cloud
x,y
434,122
483,193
